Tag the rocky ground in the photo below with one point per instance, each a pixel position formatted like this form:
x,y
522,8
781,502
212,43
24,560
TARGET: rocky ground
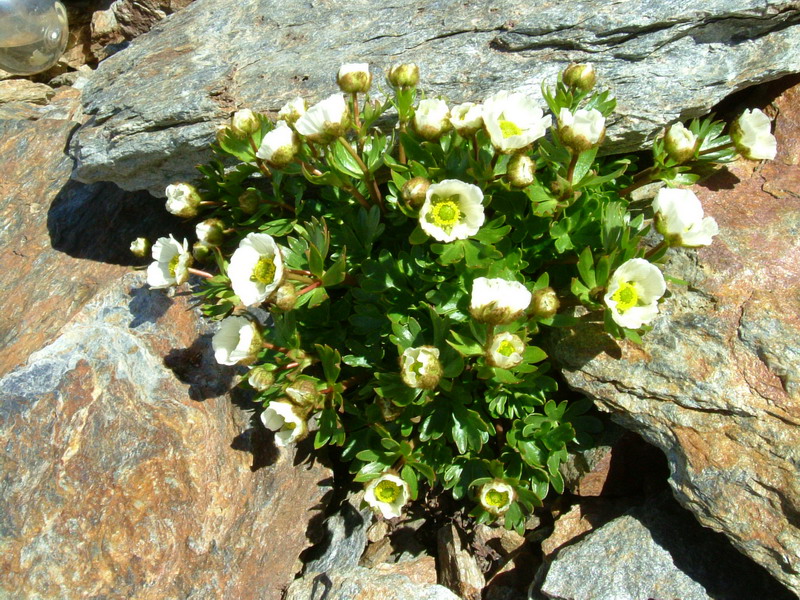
x,y
130,472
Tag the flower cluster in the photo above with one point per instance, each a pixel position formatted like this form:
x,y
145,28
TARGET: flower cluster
x,y
384,289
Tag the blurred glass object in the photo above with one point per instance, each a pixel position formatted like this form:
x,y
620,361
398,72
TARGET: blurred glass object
x,y
33,35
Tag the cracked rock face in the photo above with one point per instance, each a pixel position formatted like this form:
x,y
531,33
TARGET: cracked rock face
x,y
155,105
716,384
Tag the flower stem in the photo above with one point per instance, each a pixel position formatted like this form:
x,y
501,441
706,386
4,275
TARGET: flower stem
x,y
272,346
200,273
572,164
653,251
309,288
300,278
716,148
372,185
356,117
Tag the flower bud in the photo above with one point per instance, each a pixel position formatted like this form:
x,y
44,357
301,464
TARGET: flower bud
x,y
249,201
354,78
202,252
303,393
210,232
680,143
279,146
182,200
414,192
544,303
498,301
260,378
420,367
140,247
431,119
752,136
293,110
286,297
580,76
403,76
389,411
245,122
582,130
521,171
467,118
505,350
221,133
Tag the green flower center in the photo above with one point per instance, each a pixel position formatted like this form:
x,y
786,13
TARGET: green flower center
x,y
445,212
387,491
264,271
496,498
173,264
509,128
506,348
626,297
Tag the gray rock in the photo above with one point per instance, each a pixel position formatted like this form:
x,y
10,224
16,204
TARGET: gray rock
x,y
458,569
345,537
656,551
155,105
364,584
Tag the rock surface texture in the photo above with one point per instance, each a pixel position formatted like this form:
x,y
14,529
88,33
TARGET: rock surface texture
x,y
716,384
155,105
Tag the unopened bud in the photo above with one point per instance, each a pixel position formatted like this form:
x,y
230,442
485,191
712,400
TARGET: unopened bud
x,y
404,76
260,378
202,252
431,119
581,130
303,392
182,200
286,296
521,171
140,247
680,143
544,304
279,146
354,78
389,411
245,122
293,110
467,118
249,201
210,232
580,76
414,192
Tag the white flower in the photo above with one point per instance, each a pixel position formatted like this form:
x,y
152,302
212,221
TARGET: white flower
x,y
498,301
467,118
325,120
505,350
752,136
210,232
354,78
513,121
172,262
431,118
182,200
581,130
387,494
256,268
453,210
420,367
245,122
292,110
279,146
680,143
633,293
679,218
285,420
236,342
496,496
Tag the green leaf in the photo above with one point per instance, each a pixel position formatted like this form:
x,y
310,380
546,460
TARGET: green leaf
x,y
336,274
586,268
331,360
410,477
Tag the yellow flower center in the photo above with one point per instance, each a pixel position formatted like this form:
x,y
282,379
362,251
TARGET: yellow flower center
x,y
506,348
509,128
173,264
496,498
387,491
264,271
445,212
626,297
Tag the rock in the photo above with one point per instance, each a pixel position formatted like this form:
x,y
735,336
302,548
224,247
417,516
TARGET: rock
x,y
421,570
345,537
501,540
136,17
716,383
587,515
23,90
364,584
155,106
116,483
655,551
458,569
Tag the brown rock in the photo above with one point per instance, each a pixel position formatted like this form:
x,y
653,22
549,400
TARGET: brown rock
x,y
421,571
136,17
24,90
582,518
458,569
716,384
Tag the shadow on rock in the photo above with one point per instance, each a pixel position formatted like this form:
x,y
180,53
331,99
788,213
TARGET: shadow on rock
x,y
197,367
99,221
147,306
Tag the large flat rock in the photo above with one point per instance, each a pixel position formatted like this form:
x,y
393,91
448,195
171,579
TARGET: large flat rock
x,y
716,384
154,106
